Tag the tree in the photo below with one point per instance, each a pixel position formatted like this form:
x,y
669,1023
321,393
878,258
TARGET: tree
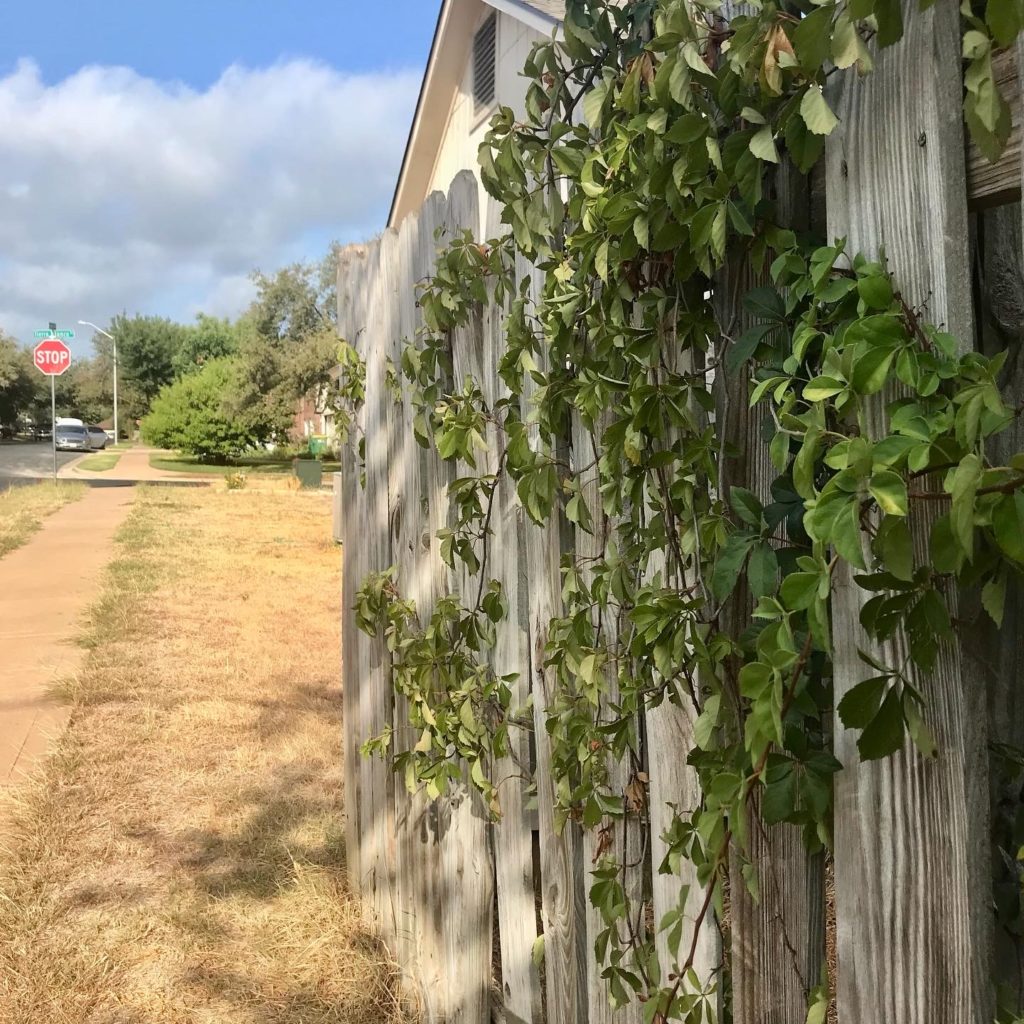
x,y
210,337
287,342
16,384
87,390
147,354
193,415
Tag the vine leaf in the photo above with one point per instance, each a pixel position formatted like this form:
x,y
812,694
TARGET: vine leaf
x,y
762,570
811,38
816,112
1008,525
762,145
1004,19
993,598
883,735
963,486
729,563
861,702
890,491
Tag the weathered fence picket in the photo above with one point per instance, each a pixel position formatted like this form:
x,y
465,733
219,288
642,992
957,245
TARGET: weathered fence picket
x,y
908,831
561,869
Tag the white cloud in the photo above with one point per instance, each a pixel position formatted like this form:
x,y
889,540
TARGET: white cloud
x,y
121,192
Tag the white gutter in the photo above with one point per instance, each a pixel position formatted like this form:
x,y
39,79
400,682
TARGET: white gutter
x,y
526,14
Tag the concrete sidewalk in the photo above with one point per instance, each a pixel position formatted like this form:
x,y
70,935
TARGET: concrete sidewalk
x,y
45,588
133,466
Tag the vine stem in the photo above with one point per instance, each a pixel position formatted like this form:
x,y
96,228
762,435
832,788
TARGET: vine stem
x,y
487,528
1005,488
698,923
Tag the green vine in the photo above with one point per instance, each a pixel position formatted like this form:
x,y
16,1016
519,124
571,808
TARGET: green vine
x,y
645,173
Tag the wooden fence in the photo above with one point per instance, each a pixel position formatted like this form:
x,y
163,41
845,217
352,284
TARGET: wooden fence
x,y
461,902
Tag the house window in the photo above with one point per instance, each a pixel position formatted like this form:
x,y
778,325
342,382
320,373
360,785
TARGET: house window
x,y
484,52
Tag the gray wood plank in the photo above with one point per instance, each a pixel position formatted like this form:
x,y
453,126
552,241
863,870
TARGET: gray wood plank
x,y
908,830
351,287
777,938
376,693
416,937
674,787
466,899
561,864
620,838
995,653
520,996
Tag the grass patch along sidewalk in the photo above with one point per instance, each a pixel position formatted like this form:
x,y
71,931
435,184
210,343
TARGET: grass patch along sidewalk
x,y
181,860
23,509
99,463
262,463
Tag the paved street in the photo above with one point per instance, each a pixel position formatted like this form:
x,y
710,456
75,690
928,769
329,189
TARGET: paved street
x,y
19,462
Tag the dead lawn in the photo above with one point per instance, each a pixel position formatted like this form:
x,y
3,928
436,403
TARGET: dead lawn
x,y
182,859
23,509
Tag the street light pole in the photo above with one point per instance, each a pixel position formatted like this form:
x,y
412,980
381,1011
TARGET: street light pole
x,y
85,323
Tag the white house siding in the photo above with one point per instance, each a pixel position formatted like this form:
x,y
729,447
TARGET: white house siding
x,y
466,129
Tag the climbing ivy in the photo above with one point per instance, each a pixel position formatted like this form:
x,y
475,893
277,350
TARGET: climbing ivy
x,y
642,186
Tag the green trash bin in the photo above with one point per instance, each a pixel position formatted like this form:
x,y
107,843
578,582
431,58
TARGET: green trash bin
x,y
310,472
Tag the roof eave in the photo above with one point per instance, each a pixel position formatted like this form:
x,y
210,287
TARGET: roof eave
x,y
424,87
527,15
517,9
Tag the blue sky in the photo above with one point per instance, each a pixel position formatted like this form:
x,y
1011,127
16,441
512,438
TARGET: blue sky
x,y
195,40
152,153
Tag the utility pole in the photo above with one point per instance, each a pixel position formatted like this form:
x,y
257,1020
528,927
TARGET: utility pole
x,y
99,330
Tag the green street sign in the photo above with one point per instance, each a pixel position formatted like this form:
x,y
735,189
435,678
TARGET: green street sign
x,y
67,335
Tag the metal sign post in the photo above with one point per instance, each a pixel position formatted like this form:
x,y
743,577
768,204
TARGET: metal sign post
x,y
53,422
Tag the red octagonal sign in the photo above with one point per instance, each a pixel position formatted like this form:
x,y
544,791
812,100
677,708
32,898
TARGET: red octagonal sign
x,y
52,357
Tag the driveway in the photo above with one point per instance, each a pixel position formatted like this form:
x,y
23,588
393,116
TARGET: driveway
x,y
21,461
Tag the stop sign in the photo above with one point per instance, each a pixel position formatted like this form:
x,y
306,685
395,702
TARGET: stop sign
x,y
52,357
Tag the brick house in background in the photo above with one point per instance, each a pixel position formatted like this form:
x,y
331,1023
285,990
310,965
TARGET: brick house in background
x,y
314,415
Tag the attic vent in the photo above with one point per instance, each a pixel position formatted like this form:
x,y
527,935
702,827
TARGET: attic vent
x,y
484,46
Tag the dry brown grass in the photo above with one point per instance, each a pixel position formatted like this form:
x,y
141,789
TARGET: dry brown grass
x,y
182,859
23,509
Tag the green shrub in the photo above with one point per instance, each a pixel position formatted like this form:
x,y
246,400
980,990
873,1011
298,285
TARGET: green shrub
x,y
191,415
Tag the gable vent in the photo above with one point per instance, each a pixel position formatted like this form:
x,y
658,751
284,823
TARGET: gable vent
x,y
484,51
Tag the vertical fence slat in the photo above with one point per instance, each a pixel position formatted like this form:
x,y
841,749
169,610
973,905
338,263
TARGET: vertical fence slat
x,y
416,946
619,838
352,269
908,835
777,937
376,694
995,653
468,872
560,854
513,837
675,789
